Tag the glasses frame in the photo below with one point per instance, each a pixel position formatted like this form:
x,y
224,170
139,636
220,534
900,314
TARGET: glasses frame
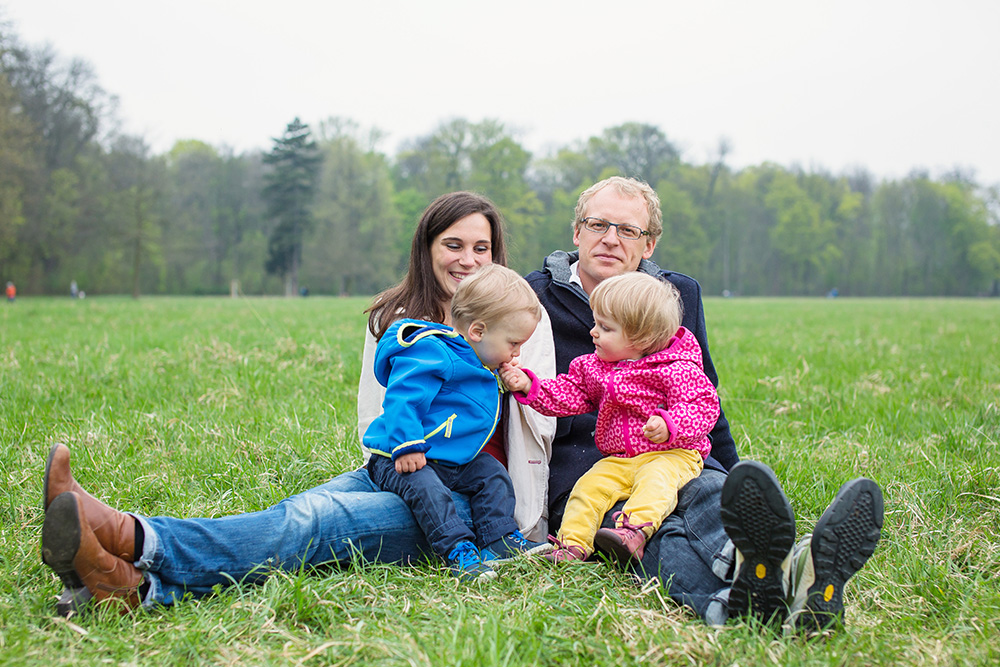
x,y
618,228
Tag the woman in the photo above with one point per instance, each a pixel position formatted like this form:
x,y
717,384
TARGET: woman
x,y
100,552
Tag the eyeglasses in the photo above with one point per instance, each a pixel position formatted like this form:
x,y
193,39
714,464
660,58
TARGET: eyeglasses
x,y
601,226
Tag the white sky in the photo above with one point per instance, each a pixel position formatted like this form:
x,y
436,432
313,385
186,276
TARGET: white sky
x,y
887,85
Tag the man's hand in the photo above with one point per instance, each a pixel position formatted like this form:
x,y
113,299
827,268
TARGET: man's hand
x,y
411,462
656,429
514,378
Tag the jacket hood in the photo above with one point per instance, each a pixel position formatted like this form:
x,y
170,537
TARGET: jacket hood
x,y
682,347
404,333
557,265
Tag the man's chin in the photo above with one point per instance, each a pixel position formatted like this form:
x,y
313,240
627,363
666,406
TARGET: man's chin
x,y
601,271
611,270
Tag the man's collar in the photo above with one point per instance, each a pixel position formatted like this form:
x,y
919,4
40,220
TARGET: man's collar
x,y
574,274
564,267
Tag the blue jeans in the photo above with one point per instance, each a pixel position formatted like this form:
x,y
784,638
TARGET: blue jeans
x,y
345,518
349,517
428,493
687,550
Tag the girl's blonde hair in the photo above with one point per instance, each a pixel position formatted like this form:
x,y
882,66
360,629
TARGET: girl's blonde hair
x,y
648,310
491,294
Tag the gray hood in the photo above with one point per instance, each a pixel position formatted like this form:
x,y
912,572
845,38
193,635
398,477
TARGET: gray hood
x,y
557,264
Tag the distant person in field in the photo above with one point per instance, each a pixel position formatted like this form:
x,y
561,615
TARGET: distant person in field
x,y
442,403
11,291
655,407
726,551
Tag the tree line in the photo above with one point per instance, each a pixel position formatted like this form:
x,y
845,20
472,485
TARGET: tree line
x,y
326,210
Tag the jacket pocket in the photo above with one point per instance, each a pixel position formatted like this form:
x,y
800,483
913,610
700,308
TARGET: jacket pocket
x,y
444,426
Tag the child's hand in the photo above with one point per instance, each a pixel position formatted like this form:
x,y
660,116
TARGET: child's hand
x,y
514,378
656,429
411,462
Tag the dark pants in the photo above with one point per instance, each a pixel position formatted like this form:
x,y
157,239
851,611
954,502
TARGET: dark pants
x,y
428,494
682,552
684,549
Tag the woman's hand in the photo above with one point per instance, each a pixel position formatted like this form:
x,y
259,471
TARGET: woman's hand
x,y
514,378
411,462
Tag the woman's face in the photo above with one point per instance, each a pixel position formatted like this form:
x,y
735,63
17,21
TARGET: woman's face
x,y
459,251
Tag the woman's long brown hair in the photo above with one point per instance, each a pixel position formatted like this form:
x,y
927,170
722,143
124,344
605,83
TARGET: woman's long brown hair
x,y
418,294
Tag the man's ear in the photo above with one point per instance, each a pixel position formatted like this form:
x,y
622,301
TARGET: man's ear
x,y
476,330
650,247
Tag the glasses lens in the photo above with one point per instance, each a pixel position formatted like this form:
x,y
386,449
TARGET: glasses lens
x,y
595,225
629,232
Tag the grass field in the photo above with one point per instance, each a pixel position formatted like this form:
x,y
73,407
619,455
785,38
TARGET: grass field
x,y
206,407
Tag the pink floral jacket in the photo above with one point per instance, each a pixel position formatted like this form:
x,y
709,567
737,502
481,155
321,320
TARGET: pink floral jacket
x,y
670,383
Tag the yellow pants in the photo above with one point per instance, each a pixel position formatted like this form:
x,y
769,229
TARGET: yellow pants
x,y
650,481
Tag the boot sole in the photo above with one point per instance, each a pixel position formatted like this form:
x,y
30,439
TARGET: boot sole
x,y
61,539
73,601
759,520
75,596
843,540
610,544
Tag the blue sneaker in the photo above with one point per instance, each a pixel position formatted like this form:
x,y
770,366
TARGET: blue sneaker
x,y
465,563
511,546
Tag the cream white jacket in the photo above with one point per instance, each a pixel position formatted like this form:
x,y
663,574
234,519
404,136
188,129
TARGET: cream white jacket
x,y
529,434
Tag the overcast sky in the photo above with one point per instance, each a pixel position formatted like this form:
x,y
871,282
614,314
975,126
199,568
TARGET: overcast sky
x,y
889,86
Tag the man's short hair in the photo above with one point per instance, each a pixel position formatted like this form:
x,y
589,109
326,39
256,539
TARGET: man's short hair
x,y
649,310
492,294
627,187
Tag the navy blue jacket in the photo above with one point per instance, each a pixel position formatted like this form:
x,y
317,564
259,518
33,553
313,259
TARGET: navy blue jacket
x,y
573,449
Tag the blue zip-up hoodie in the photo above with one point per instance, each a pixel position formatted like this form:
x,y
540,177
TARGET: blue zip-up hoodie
x,y
439,397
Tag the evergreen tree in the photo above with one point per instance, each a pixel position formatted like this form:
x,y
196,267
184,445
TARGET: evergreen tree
x,y
289,187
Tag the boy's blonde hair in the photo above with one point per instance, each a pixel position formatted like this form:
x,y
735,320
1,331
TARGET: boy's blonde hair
x,y
492,294
648,310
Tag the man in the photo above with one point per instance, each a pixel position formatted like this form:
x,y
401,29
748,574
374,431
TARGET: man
x,y
741,560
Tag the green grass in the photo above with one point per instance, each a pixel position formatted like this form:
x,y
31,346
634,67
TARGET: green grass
x,y
214,406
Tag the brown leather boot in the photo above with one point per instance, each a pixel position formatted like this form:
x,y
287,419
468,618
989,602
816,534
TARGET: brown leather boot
x,y
115,530
71,549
